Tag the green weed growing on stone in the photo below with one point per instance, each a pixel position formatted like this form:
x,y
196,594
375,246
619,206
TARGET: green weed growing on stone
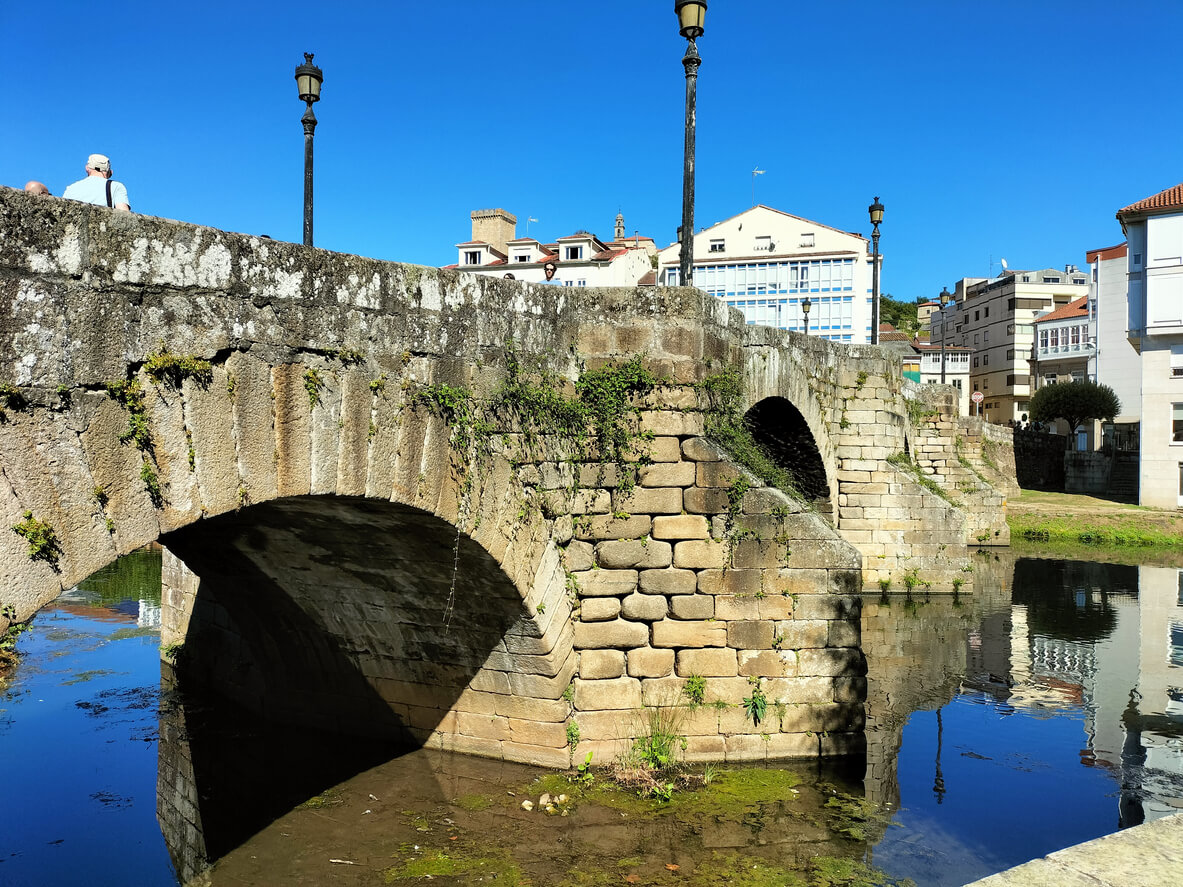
x,y
130,395
313,383
43,541
151,484
12,397
230,385
349,355
572,734
164,367
756,705
99,495
695,690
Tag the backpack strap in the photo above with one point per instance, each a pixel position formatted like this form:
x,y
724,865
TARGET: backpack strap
x,y
109,203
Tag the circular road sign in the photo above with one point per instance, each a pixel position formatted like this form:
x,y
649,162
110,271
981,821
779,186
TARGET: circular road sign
x,y
977,397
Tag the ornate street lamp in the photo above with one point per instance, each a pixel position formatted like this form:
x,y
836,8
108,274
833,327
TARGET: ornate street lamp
x,y
805,306
308,80
946,296
876,211
691,15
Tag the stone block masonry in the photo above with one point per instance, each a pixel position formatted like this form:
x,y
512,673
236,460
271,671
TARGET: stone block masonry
x,y
370,526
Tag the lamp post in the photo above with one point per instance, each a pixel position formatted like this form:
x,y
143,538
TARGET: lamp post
x,y
805,306
876,211
308,80
691,15
945,297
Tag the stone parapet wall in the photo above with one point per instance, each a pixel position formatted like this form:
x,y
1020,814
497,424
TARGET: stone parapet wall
x,y
1039,459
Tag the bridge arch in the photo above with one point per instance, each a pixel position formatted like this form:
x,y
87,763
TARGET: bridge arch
x,y
368,617
783,432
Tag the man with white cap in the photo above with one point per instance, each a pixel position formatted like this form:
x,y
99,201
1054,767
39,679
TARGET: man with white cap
x,y
98,187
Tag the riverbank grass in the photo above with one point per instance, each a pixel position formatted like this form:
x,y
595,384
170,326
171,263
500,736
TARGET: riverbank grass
x,y
1067,518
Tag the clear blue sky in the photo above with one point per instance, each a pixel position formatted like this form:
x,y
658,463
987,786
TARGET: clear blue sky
x,y
998,129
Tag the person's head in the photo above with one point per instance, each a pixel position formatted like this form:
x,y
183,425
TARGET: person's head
x,y
98,165
549,270
36,188
509,277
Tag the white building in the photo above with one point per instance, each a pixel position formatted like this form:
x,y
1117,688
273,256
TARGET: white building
x,y
1154,238
767,262
956,370
580,259
1116,362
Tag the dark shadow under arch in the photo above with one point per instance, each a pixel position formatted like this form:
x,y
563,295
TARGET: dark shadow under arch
x,y
320,645
782,431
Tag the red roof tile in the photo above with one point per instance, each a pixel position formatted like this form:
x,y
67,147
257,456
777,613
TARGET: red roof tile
x,y
1172,198
649,278
1076,308
1107,252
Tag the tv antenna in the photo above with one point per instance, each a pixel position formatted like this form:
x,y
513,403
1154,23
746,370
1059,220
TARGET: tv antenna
x,y
755,172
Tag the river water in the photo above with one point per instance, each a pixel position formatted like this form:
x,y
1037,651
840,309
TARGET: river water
x,y
1043,709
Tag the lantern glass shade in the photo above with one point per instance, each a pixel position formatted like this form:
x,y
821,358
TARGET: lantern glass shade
x,y
308,80
805,306
691,17
945,296
876,211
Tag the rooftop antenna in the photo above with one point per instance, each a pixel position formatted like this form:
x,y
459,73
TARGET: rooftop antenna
x,y
755,172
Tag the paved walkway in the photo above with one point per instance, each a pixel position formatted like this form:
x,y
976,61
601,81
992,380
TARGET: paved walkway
x,y
1148,855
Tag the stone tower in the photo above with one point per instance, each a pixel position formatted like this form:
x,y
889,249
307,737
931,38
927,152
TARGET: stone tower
x,y
495,227
618,234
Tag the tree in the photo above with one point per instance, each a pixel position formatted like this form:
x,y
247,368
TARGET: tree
x,y
1074,402
901,315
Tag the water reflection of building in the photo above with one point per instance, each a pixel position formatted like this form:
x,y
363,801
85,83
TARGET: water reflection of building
x,y
1104,640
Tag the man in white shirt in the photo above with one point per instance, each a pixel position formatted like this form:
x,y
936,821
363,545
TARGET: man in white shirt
x,y
98,187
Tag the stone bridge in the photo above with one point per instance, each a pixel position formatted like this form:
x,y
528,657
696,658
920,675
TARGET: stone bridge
x,y
490,516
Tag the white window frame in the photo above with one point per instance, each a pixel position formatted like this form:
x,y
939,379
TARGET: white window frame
x,y
1176,415
573,254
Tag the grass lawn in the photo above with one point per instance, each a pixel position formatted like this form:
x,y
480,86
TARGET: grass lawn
x,y
1078,519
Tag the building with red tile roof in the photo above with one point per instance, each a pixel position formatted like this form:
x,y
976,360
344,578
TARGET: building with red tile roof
x,y
1153,228
580,259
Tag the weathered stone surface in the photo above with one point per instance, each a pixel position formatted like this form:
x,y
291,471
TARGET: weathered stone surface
x,y
596,664
673,633
667,474
607,694
579,556
698,449
683,526
668,582
708,663
697,500
644,607
599,609
652,500
692,606
626,553
605,526
598,583
767,663
755,635
615,634
745,583
700,554
650,663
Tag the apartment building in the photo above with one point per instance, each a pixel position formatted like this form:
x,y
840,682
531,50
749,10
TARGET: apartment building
x,y
767,263
995,318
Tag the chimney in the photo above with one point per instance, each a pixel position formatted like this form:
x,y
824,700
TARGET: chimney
x,y
495,227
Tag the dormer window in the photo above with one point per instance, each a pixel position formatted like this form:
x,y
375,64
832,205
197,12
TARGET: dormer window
x,y
807,239
472,257
717,245
573,253
522,257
